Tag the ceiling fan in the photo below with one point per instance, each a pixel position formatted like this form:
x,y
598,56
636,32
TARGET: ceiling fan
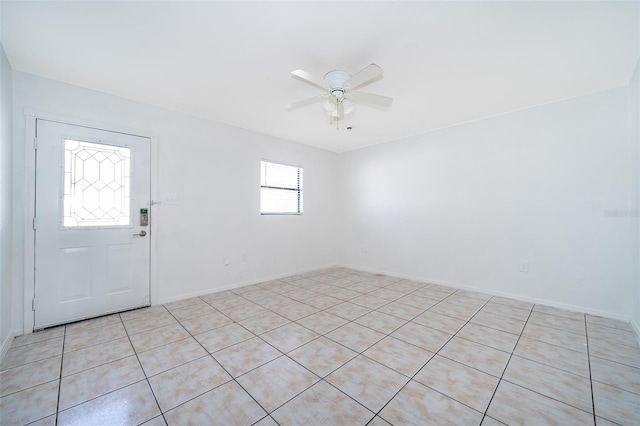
x,y
340,95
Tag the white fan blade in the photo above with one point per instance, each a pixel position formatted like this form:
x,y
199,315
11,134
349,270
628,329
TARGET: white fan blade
x,y
370,99
365,76
307,78
305,102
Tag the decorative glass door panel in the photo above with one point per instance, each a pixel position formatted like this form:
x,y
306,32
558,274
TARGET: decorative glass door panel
x,y
97,184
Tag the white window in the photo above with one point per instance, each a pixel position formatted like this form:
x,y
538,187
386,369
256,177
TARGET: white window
x,y
280,188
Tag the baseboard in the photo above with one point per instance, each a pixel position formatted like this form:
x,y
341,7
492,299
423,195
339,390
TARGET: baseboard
x,y
240,284
5,346
545,302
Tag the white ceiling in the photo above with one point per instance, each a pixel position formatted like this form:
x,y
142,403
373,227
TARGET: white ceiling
x,y
445,63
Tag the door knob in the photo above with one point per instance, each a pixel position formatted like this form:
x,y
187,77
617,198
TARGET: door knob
x,y
141,234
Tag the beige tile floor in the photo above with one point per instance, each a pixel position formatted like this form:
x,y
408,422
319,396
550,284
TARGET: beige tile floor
x,y
334,346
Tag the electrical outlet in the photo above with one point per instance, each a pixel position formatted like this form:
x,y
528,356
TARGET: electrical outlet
x,y
244,257
524,266
225,261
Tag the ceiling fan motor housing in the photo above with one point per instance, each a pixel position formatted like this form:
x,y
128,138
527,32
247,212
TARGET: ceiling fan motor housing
x,y
335,82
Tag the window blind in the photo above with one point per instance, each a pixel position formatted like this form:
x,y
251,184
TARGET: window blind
x,y
280,188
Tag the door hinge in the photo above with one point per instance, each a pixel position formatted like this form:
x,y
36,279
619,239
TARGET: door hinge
x,y
34,223
33,304
35,143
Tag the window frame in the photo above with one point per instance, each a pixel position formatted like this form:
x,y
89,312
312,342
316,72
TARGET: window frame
x,y
299,189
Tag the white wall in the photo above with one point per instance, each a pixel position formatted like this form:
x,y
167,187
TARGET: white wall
x,y
6,327
461,206
634,132
465,205
214,170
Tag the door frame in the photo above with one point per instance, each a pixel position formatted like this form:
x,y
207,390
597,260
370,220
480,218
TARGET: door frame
x,y
29,278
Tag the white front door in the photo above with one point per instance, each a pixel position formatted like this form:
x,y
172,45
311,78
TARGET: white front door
x,y
91,247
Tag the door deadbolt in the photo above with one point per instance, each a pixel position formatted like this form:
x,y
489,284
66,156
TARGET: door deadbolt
x,y
140,234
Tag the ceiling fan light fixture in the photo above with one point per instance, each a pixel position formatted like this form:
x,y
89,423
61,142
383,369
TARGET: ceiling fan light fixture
x,y
330,106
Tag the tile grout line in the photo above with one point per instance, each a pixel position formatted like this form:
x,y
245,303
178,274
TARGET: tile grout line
x,y
106,363
593,401
32,343
64,338
146,378
459,337
547,365
82,371
611,342
507,365
550,366
429,360
613,362
555,327
531,310
285,354
321,379
7,370
233,379
389,335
